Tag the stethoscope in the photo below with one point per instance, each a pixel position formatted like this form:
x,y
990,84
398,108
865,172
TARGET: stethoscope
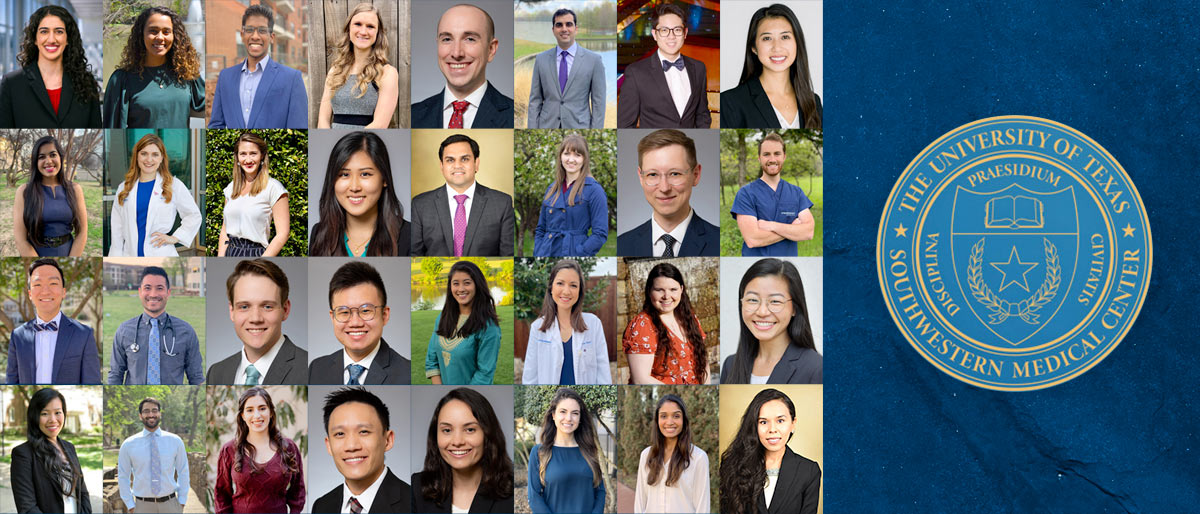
x,y
135,347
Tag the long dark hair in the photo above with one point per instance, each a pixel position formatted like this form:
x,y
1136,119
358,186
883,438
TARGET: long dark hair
x,y
585,436
437,484
182,59
33,194
798,75
483,307
658,446
798,330
45,454
743,464
549,311
74,60
389,219
246,452
684,315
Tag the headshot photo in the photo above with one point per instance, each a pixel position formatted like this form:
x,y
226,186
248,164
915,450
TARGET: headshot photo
x,y
153,68
773,77
669,320
461,452
771,449
566,192
358,54
55,204
51,336
252,213
256,65
359,336
54,461
667,453
256,339
156,321
463,203
566,330
359,193
151,181
772,314
565,449
462,322
254,436
776,206
51,67
669,65
459,42
364,464
565,64
668,179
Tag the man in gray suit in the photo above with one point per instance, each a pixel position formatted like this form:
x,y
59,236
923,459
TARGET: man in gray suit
x,y
258,306
565,77
463,217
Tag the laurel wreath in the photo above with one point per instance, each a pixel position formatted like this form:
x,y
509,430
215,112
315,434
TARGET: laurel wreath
x,y
1003,309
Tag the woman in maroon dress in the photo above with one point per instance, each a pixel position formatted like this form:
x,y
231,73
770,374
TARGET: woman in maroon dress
x,y
260,470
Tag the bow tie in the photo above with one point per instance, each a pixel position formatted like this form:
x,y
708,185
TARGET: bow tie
x,y
50,326
667,65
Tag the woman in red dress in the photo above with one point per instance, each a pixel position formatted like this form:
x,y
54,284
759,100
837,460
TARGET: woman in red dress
x,y
260,470
664,342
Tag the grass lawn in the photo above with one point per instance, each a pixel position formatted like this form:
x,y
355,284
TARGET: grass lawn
x,y
423,325
523,47
731,238
608,250
121,306
92,198
89,450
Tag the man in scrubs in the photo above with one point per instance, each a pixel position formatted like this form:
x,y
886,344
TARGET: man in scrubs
x,y
771,213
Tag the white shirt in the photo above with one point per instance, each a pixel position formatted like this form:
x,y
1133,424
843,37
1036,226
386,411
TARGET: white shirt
x,y
249,216
755,379
470,192
365,362
689,494
473,99
45,342
656,232
455,509
366,498
769,490
263,364
784,123
677,83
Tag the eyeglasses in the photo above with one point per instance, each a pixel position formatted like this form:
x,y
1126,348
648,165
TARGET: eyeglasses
x,y
751,303
150,411
674,177
669,31
366,312
262,31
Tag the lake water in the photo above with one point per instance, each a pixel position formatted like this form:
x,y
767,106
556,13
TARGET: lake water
x,y
524,70
436,294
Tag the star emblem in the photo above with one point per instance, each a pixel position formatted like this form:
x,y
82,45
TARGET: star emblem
x,y
1014,270
901,231
1128,230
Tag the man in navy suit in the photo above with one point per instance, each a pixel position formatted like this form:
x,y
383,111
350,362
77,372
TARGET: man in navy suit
x,y
667,170
259,92
52,348
466,40
666,89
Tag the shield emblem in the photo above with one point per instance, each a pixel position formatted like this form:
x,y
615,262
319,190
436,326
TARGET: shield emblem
x,y
1015,253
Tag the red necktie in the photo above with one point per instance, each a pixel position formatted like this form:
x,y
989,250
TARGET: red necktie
x,y
459,108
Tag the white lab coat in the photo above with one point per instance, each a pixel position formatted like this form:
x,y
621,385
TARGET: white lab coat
x,y
160,218
544,354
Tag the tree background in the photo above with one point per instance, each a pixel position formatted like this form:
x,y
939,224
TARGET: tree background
x,y
81,303
638,425
291,412
530,279
287,150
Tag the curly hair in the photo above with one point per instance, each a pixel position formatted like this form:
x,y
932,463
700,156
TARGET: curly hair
x,y
185,63
135,169
377,59
684,315
75,63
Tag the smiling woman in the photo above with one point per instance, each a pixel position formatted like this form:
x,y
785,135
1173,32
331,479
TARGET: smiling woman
x,y
158,83
54,87
467,467
46,476
564,467
260,470
49,215
361,90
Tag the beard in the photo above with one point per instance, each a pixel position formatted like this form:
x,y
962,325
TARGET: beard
x,y
152,424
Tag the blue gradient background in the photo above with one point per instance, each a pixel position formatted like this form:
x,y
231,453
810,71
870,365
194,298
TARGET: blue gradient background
x,y
904,437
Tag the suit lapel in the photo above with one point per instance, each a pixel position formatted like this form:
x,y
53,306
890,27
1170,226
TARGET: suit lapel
x,y
235,83
763,104
782,374
444,220
270,71
695,83
693,239
66,99
572,74
379,367
643,235
478,204
488,113
29,351
283,363
39,88
658,80
65,332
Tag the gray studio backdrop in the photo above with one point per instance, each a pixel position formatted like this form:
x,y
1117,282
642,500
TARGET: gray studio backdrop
x,y
732,269
323,475
425,399
735,22
320,145
633,207
395,272
427,77
222,340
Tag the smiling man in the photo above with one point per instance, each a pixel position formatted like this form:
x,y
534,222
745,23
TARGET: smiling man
x,y
466,43
155,347
358,435
358,309
667,172
51,348
258,306
259,92
772,213
152,465
666,89
464,217
567,87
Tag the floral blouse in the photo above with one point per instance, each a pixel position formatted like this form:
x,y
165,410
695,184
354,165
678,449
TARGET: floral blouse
x,y
674,367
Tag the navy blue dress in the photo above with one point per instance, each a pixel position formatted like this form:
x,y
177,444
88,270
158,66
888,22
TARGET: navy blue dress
x,y
56,221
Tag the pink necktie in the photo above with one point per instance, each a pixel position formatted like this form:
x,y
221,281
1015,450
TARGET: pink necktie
x,y
459,108
460,224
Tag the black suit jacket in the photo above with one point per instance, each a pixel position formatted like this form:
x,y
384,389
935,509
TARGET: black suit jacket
x,y
645,99
489,227
797,366
290,367
702,239
24,103
798,489
747,106
481,503
393,496
33,489
388,367
495,111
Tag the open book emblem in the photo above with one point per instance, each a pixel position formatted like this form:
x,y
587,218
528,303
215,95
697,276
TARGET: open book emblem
x,y
1019,211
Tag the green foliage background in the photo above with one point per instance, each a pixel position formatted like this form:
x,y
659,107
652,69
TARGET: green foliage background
x,y
535,165
531,276
183,411
288,154
637,421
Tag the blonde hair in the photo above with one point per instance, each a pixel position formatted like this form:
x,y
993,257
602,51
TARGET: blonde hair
x,y
576,144
135,170
239,176
377,59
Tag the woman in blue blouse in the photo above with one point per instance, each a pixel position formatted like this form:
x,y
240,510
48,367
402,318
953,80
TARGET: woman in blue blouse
x,y
573,204
49,216
466,344
564,468
158,83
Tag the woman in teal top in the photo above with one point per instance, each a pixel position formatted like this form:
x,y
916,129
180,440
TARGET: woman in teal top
x,y
158,83
466,344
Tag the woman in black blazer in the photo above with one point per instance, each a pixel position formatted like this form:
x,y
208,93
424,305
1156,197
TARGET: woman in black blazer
x,y
775,89
759,473
466,458
54,87
45,470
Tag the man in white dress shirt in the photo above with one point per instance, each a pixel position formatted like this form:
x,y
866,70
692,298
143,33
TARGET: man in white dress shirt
x,y
152,466
358,435
665,89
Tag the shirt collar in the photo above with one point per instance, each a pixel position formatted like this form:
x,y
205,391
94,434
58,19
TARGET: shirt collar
x,y
55,319
262,65
470,192
366,361
158,431
657,231
162,318
662,57
368,495
262,364
474,98
573,50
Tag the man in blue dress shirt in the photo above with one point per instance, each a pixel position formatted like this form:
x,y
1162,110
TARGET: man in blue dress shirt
x,y
157,461
155,347
51,348
259,92
771,213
